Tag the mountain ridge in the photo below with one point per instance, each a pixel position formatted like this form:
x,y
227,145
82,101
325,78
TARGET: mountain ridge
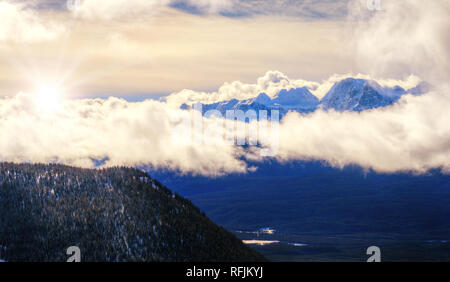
x,y
350,94
358,95
113,214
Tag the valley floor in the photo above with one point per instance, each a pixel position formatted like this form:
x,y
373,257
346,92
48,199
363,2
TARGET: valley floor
x,y
329,248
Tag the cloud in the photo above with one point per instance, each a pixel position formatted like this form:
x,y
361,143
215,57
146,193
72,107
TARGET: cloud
x,y
272,83
21,25
308,9
412,135
114,9
126,133
203,6
139,9
405,37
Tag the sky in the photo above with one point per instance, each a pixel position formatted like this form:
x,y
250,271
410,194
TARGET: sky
x,y
64,69
151,48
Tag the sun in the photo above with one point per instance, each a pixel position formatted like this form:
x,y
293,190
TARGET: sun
x,y
48,98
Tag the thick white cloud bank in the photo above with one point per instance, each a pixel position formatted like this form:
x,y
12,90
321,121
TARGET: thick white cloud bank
x,y
412,135
78,131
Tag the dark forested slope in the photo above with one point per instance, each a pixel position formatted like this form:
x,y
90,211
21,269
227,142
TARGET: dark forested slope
x,y
114,214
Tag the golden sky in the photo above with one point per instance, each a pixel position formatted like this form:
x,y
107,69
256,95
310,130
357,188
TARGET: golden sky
x,y
162,50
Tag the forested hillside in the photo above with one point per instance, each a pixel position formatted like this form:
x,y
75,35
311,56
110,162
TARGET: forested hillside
x,y
114,214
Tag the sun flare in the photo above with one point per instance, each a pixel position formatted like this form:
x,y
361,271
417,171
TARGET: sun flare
x,y
48,98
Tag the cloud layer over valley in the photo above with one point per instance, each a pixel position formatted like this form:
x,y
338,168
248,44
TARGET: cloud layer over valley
x,y
411,135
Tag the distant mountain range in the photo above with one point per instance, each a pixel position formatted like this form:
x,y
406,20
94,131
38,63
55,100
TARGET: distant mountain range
x,y
115,214
350,94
